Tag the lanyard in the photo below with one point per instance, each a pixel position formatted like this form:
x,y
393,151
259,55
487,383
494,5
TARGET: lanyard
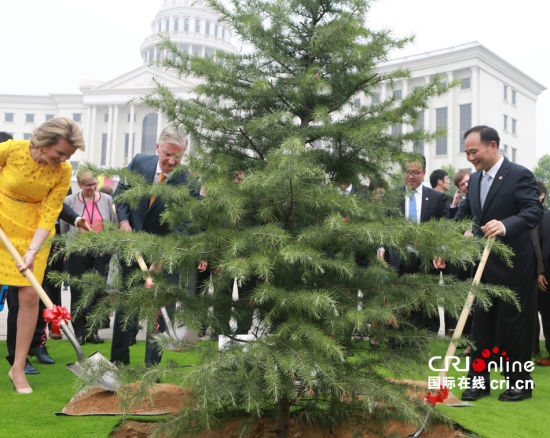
x,y
94,206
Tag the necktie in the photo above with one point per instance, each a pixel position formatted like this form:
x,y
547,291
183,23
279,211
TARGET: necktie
x,y
161,179
485,186
412,207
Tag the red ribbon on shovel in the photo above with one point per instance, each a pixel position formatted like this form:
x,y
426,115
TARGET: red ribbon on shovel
x,y
438,397
56,316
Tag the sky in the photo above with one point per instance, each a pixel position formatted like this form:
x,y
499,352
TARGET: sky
x,y
51,46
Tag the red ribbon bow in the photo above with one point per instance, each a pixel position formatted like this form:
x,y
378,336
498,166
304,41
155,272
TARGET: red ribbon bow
x,y
438,397
56,316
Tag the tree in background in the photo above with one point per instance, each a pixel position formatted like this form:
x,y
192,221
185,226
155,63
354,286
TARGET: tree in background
x,y
542,171
275,137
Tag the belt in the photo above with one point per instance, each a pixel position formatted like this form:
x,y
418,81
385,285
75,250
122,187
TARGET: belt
x,y
19,200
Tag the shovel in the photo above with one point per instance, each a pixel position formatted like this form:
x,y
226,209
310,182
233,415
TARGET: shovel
x,y
176,335
460,325
83,367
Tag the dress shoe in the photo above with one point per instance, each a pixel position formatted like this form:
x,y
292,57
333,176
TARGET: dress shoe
x,y
473,394
42,355
95,339
29,369
80,340
543,362
19,389
515,394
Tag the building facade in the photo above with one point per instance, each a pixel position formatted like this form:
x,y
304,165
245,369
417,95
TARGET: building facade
x,y
117,125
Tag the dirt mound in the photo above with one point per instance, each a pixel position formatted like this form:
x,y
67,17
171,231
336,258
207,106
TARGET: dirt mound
x,y
264,428
166,399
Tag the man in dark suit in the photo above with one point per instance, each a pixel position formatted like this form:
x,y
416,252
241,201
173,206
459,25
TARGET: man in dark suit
x,y
543,270
146,217
503,202
440,182
420,204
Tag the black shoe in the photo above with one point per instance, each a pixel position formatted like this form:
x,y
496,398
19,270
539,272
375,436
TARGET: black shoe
x,y
473,394
29,369
515,394
95,339
80,340
42,355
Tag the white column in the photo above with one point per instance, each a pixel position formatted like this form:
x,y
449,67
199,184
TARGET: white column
x,y
452,136
88,134
428,127
109,135
114,138
160,124
94,144
475,96
131,132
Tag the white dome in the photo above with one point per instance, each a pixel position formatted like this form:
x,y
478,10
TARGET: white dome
x,y
193,27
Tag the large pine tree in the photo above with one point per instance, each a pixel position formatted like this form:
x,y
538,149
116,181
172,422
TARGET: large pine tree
x,y
275,135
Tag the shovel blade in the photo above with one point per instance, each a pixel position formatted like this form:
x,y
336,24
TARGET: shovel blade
x,y
98,369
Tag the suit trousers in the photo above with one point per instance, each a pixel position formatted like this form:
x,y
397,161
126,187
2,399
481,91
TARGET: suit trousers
x,y
507,328
543,304
122,336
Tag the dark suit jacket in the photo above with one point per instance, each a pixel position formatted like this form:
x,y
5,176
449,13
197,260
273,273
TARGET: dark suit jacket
x,y
433,204
433,207
145,218
513,200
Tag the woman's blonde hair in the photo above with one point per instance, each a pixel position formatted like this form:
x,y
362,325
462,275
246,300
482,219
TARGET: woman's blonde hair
x,y
83,175
58,128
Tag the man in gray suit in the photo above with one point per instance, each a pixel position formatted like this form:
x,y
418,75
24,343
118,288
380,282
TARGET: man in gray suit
x,y
155,169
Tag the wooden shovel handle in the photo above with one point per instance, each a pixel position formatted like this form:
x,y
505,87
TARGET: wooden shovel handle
x,y
143,267
27,272
469,301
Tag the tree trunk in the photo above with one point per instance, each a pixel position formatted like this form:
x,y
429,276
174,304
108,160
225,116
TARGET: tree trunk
x,y
283,419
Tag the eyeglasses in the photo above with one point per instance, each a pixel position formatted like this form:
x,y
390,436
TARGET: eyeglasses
x,y
412,172
90,184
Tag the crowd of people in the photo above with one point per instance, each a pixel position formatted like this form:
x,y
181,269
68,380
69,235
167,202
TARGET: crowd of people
x,y
502,198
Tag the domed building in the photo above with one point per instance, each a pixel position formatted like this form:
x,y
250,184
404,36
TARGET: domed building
x,y
116,125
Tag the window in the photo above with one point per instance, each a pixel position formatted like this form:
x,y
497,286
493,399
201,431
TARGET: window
x,y
207,27
8,117
357,102
197,26
216,30
77,117
465,122
505,90
223,33
186,24
149,133
514,126
176,24
159,26
465,84
418,145
505,122
167,25
27,136
397,129
441,123
397,94
506,150
29,118
376,98
106,117
103,149
514,154
49,116
513,97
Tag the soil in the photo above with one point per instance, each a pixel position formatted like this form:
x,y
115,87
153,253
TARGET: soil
x,y
264,428
167,399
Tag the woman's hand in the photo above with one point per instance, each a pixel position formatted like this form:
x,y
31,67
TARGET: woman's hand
x,y
28,260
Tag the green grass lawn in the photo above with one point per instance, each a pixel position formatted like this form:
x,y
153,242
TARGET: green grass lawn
x,y
25,416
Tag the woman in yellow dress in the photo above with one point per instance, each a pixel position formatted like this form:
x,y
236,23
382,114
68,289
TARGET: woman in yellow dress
x,y
34,180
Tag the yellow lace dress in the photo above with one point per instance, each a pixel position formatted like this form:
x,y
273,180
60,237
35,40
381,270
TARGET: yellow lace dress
x,y
31,196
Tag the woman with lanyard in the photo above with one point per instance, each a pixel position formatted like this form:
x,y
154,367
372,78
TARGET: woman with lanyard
x,y
97,207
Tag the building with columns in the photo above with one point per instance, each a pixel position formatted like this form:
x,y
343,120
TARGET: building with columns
x,y
117,125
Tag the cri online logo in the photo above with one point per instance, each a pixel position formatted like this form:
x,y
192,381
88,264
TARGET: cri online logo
x,y
479,364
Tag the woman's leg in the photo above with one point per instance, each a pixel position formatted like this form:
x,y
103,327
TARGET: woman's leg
x,y
26,322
